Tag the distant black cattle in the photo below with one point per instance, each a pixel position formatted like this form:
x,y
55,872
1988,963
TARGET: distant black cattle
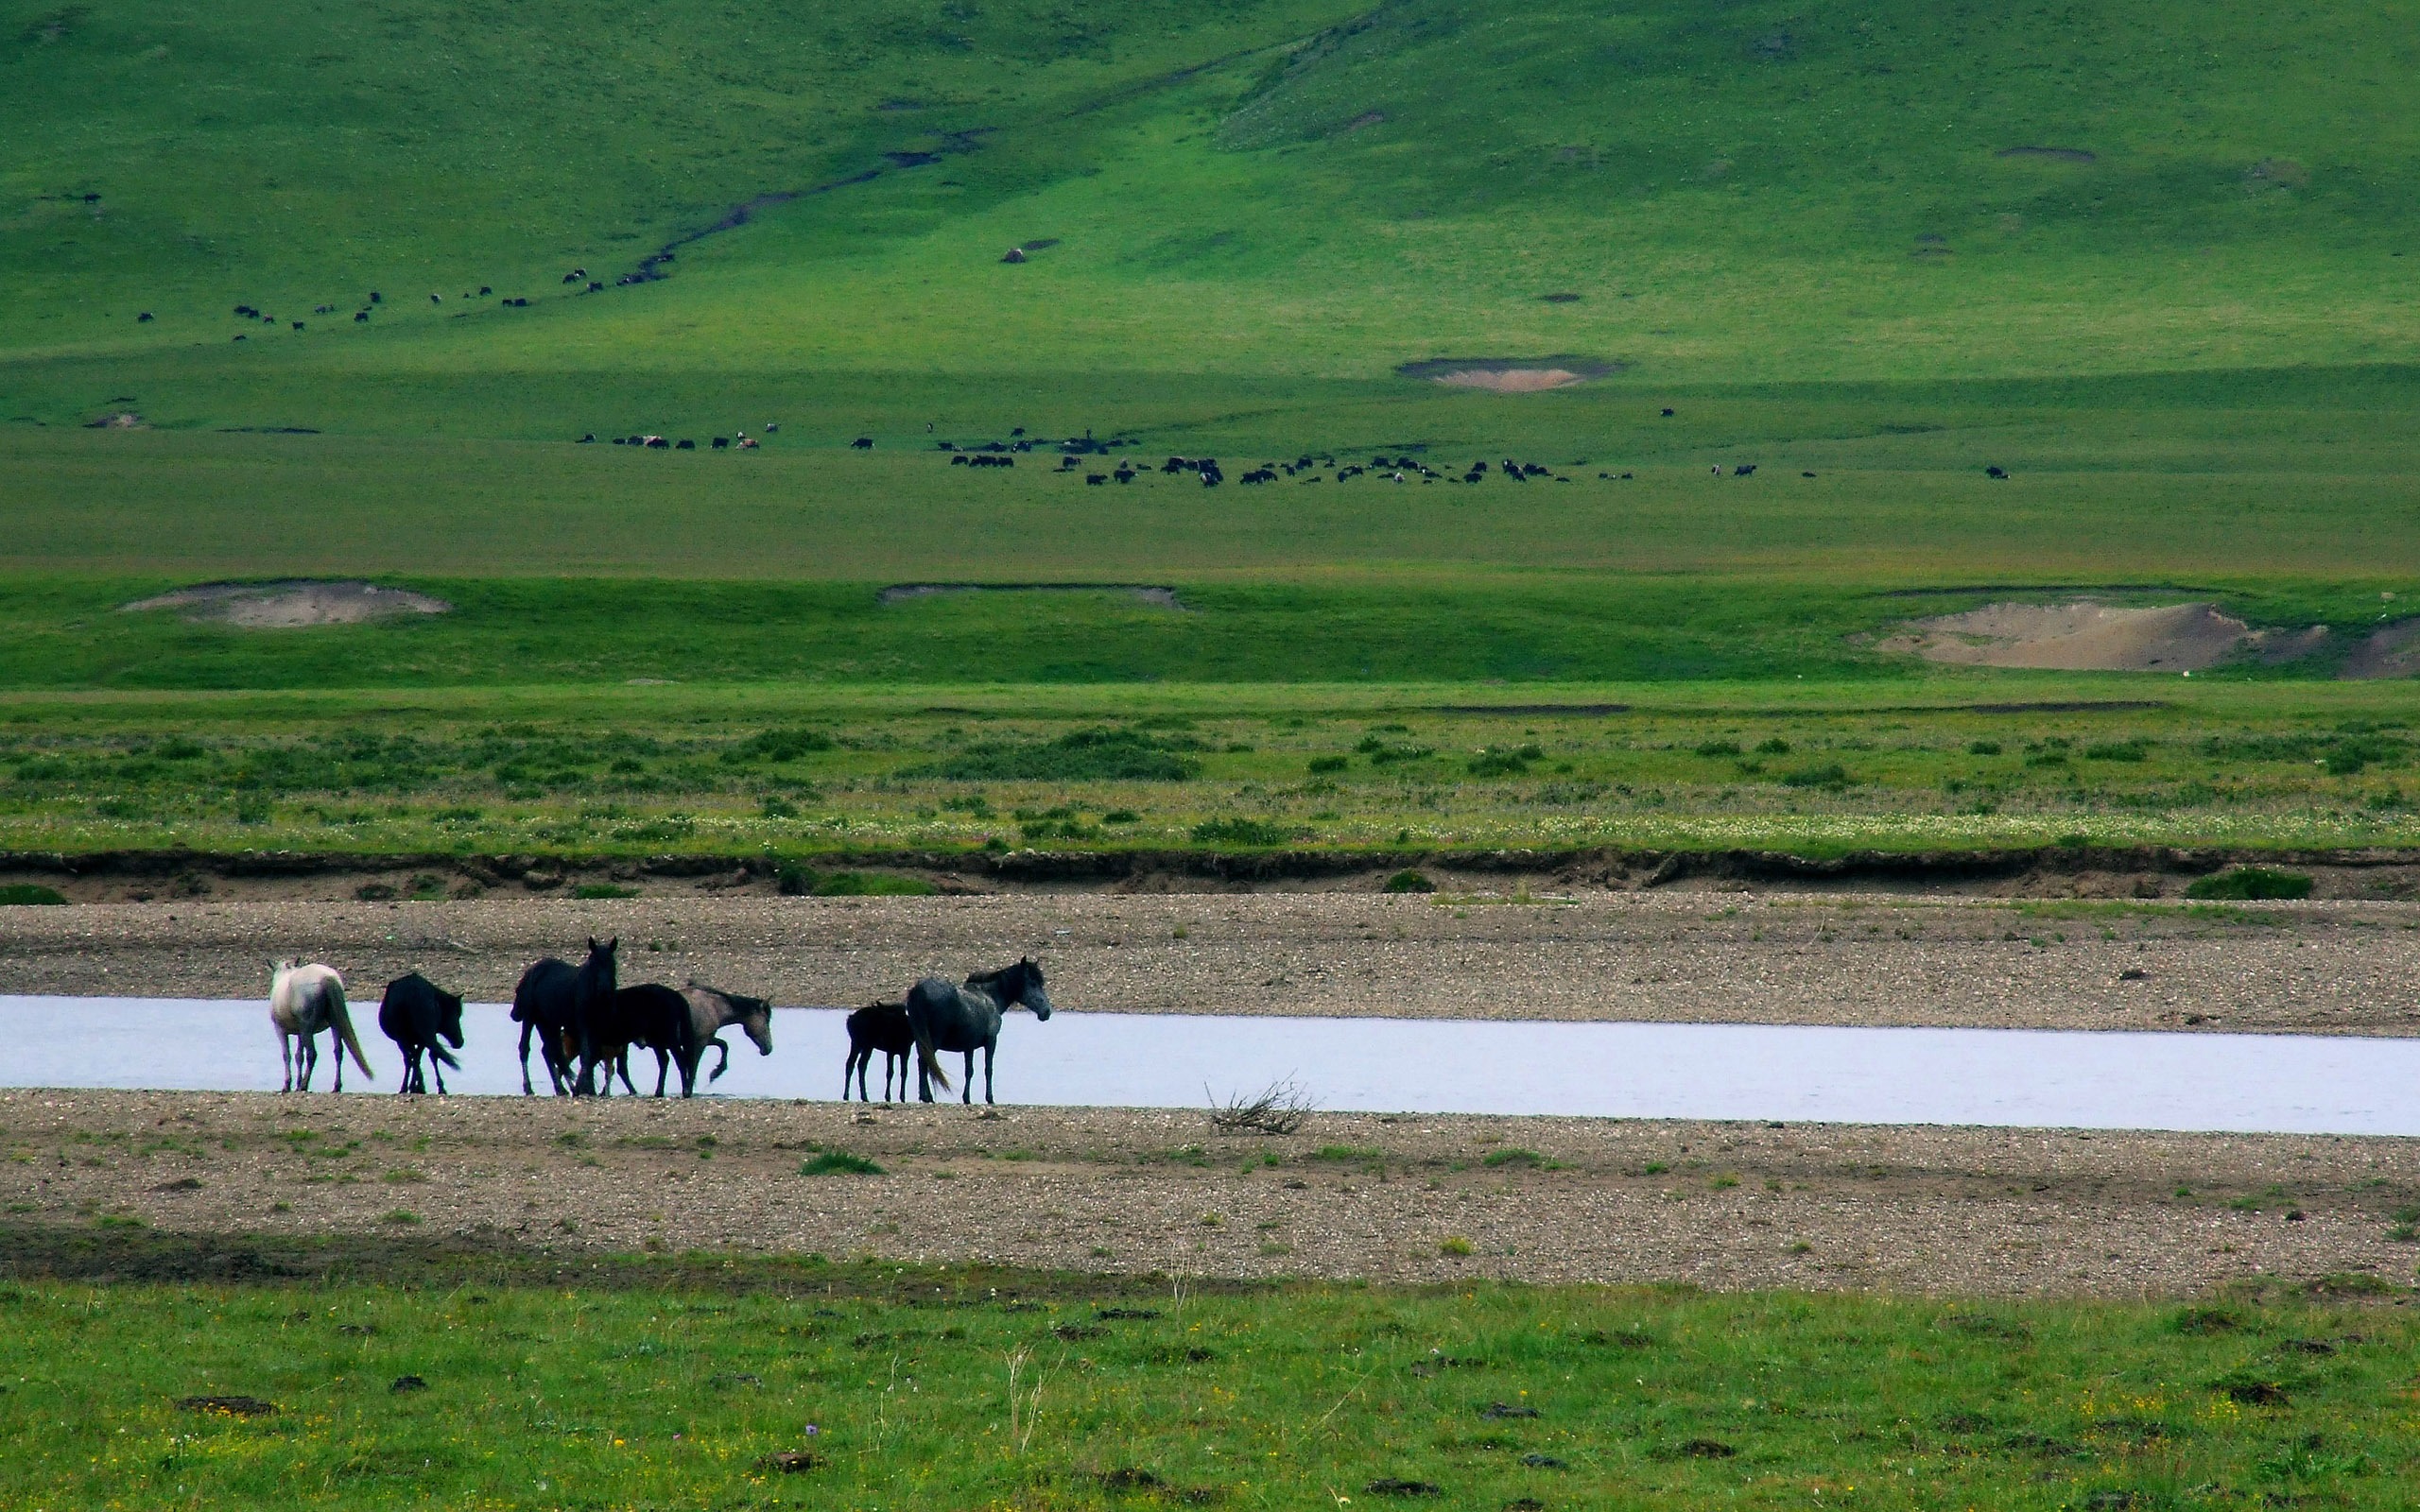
x,y
375,298
959,460
594,286
721,442
145,315
1989,472
684,445
1668,414
1016,430
863,443
298,325
658,443
588,439
1124,473
324,309
1096,479
1259,475
437,299
246,311
485,291
361,315
1744,470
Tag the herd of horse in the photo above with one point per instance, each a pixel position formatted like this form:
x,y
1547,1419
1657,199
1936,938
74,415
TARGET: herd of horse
x,y
585,1025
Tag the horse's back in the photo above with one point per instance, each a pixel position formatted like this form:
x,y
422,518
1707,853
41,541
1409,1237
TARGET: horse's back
x,y
539,985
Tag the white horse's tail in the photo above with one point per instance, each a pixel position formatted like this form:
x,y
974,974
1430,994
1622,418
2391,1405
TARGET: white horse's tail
x,y
342,1019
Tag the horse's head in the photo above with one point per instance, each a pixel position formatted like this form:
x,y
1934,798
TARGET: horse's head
x,y
755,1019
449,1015
1031,990
280,967
597,973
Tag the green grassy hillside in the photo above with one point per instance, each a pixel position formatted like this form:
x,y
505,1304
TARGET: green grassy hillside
x,y
1269,186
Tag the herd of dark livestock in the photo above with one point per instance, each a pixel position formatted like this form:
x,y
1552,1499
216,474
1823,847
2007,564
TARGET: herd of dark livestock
x,y
585,1025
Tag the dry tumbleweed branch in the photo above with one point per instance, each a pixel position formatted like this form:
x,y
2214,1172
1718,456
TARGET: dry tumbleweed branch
x,y
1281,1108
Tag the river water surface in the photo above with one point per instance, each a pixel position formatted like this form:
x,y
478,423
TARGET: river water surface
x,y
2034,1078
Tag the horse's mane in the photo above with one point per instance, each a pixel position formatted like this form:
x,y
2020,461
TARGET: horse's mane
x,y
987,978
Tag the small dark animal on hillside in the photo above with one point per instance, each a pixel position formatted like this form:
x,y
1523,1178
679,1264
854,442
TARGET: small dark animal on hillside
x,y
863,443
721,442
142,318
376,298
684,445
878,1026
967,1019
1995,472
360,315
1744,470
437,299
416,1014
552,1002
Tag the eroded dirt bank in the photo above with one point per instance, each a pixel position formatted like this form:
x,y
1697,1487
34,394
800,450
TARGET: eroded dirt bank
x,y
1745,957
1719,1205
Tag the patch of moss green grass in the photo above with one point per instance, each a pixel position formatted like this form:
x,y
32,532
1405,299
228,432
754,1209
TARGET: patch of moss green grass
x,y
836,780
671,1383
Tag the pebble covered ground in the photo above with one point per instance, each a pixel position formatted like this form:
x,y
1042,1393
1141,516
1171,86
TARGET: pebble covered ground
x,y
1766,957
1723,1206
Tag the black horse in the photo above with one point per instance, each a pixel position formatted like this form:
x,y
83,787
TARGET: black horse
x,y
554,1002
968,1018
878,1026
416,1013
647,1016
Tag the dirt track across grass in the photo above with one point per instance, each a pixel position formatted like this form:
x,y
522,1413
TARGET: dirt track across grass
x,y
1739,958
1725,1206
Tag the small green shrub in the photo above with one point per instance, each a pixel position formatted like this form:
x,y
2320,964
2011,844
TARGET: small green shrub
x,y
1527,1159
1772,745
779,745
1240,832
1100,755
871,884
2251,883
1831,775
1330,763
1345,1151
839,1162
603,889
2118,751
1409,881
1453,1245
26,894
1495,762
1982,748
1719,747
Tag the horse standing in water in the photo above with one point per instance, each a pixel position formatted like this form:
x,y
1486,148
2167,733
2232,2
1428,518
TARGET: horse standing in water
x,y
878,1026
968,1019
649,1017
302,1001
416,1013
712,1010
554,1002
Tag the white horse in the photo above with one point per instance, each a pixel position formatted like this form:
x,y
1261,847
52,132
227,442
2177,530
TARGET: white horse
x,y
304,1000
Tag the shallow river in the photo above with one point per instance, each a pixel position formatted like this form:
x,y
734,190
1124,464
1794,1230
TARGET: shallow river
x,y
2249,1083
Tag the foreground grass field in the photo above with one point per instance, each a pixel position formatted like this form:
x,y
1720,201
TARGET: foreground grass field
x,y
652,1384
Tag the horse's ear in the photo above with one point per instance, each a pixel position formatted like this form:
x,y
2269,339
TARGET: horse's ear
x,y
591,942
613,944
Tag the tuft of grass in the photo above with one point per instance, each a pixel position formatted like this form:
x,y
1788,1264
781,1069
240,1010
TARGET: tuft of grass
x,y
1529,1159
839,1162
603,889
2250,883
1241,832
23,894
1454,1246
1409,881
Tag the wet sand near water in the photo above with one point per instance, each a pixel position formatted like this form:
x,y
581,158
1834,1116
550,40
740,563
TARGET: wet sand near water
x,y
1763,957
1723,1206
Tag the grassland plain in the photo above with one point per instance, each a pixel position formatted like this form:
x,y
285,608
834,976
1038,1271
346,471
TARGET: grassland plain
x,y
650,1383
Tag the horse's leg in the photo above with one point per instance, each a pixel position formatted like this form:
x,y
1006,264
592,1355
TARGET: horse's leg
x,y
310,1058
335,1041
286,1059
437,1068
412,1059
987,1074
966,1080
528,1026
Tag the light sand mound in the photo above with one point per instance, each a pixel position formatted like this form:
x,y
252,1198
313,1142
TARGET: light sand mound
x,y
293,604
2081,637
2389,651
1507,376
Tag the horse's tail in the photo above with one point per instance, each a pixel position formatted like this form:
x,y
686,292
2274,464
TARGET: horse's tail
x,y
444,1055
924,1057
723,1065
342,1018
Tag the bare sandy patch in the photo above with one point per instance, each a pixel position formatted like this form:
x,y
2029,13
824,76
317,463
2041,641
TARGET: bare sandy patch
x,y
293,604
1507,376
2088,636
2389,651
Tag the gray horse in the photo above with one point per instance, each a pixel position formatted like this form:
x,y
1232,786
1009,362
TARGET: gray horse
x,y
968,1019
302,1001
712,1010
